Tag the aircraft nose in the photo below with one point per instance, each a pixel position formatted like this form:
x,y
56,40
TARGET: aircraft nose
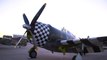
x,y
41,32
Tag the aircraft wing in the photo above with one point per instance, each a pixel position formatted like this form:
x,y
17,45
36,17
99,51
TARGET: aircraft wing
x,y
87,41
103,40
95,44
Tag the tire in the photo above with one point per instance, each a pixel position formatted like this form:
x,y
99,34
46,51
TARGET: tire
x,y
32,53
74,57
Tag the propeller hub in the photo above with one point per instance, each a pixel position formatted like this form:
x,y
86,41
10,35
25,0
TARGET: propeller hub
x,y
26,26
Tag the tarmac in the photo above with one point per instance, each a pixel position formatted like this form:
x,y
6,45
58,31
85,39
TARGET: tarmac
x,y
11,53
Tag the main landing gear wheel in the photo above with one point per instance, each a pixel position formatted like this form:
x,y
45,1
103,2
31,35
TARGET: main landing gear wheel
x,y
32,53
77,57
74,57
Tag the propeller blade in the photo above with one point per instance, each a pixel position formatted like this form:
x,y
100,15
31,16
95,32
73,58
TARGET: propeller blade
x,y
20,40
37,15
28,27
25,19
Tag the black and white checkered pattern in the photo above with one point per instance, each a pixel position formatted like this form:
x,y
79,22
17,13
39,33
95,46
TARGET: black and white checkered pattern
x,y
41,33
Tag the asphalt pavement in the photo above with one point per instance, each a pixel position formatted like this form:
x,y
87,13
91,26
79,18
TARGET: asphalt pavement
x,y
11,53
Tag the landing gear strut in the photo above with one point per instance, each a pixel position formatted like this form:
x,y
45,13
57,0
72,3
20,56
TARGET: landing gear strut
x,y
32,53
74,57
77,57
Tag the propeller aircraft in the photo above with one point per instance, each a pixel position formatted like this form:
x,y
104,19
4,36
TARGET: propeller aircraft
x,y
47,37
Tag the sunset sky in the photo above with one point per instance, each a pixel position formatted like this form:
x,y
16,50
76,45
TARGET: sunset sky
x,y
81,17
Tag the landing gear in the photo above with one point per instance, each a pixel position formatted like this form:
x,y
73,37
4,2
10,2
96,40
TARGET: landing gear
x,y
77,57
74,57
32,53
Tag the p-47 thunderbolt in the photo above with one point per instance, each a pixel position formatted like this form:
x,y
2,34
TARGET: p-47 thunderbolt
x,y
47,37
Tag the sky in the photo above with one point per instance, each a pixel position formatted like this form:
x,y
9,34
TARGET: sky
x,y
81,17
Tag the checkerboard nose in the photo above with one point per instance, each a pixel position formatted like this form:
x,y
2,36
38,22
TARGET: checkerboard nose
x,y
41,33
31,26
